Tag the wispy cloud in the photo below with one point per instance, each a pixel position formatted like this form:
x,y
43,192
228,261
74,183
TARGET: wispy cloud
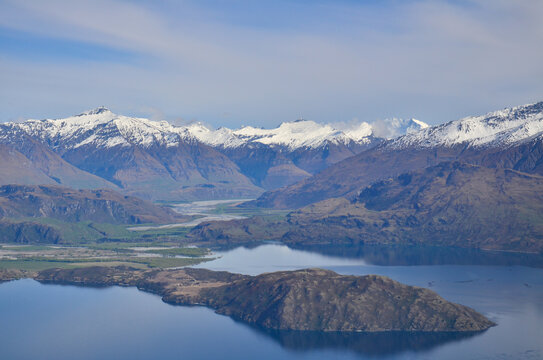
x,y
263,64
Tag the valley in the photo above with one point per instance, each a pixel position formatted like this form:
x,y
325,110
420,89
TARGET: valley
x,y
431,201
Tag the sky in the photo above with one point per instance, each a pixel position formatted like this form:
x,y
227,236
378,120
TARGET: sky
x,y
243,62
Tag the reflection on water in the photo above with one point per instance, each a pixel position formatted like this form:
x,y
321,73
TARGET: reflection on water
x,y
425,255
256,259
491,283
368,344
273,257
68,322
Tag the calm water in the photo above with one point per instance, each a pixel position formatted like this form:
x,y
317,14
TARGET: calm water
x,y
66,322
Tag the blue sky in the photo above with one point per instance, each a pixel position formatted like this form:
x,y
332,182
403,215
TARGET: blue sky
x,y
229,63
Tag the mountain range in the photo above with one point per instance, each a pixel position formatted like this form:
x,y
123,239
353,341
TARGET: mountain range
x,y
157,160
473,182
510,138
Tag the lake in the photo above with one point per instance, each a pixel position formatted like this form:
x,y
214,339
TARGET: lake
x,y
66,322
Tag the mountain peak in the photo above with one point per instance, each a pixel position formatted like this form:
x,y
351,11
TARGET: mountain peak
x,y
420,124
96,111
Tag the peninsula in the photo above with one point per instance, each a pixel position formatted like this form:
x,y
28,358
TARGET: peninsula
x,y
305,300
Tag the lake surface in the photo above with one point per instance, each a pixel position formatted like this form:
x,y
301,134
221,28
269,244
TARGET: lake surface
x,y
67,322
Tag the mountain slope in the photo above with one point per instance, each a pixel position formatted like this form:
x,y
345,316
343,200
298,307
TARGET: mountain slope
x,y
275,166
451,204
18,169
512,138
25,160
65,204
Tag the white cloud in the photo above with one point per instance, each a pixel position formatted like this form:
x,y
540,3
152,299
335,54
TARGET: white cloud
x,y
437,60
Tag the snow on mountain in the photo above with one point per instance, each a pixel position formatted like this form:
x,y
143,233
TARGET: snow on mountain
x,y
394,127
415,125
501,128
293,135
301,133
104,129
298,134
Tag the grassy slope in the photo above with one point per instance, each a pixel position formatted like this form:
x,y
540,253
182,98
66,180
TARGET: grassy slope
x,y
85,232
36,264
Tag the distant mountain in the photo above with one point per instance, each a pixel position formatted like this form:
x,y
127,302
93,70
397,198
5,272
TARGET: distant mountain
x,y
291,135
24,160
451,204
394,127
160,161
295,150
65,204
54,214
511,138
144,158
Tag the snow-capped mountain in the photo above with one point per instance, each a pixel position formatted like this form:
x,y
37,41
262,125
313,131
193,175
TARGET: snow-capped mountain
x,y
394,127
307,134
159,160
103,128
145,158
292,135
507,139
270,158
502,128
